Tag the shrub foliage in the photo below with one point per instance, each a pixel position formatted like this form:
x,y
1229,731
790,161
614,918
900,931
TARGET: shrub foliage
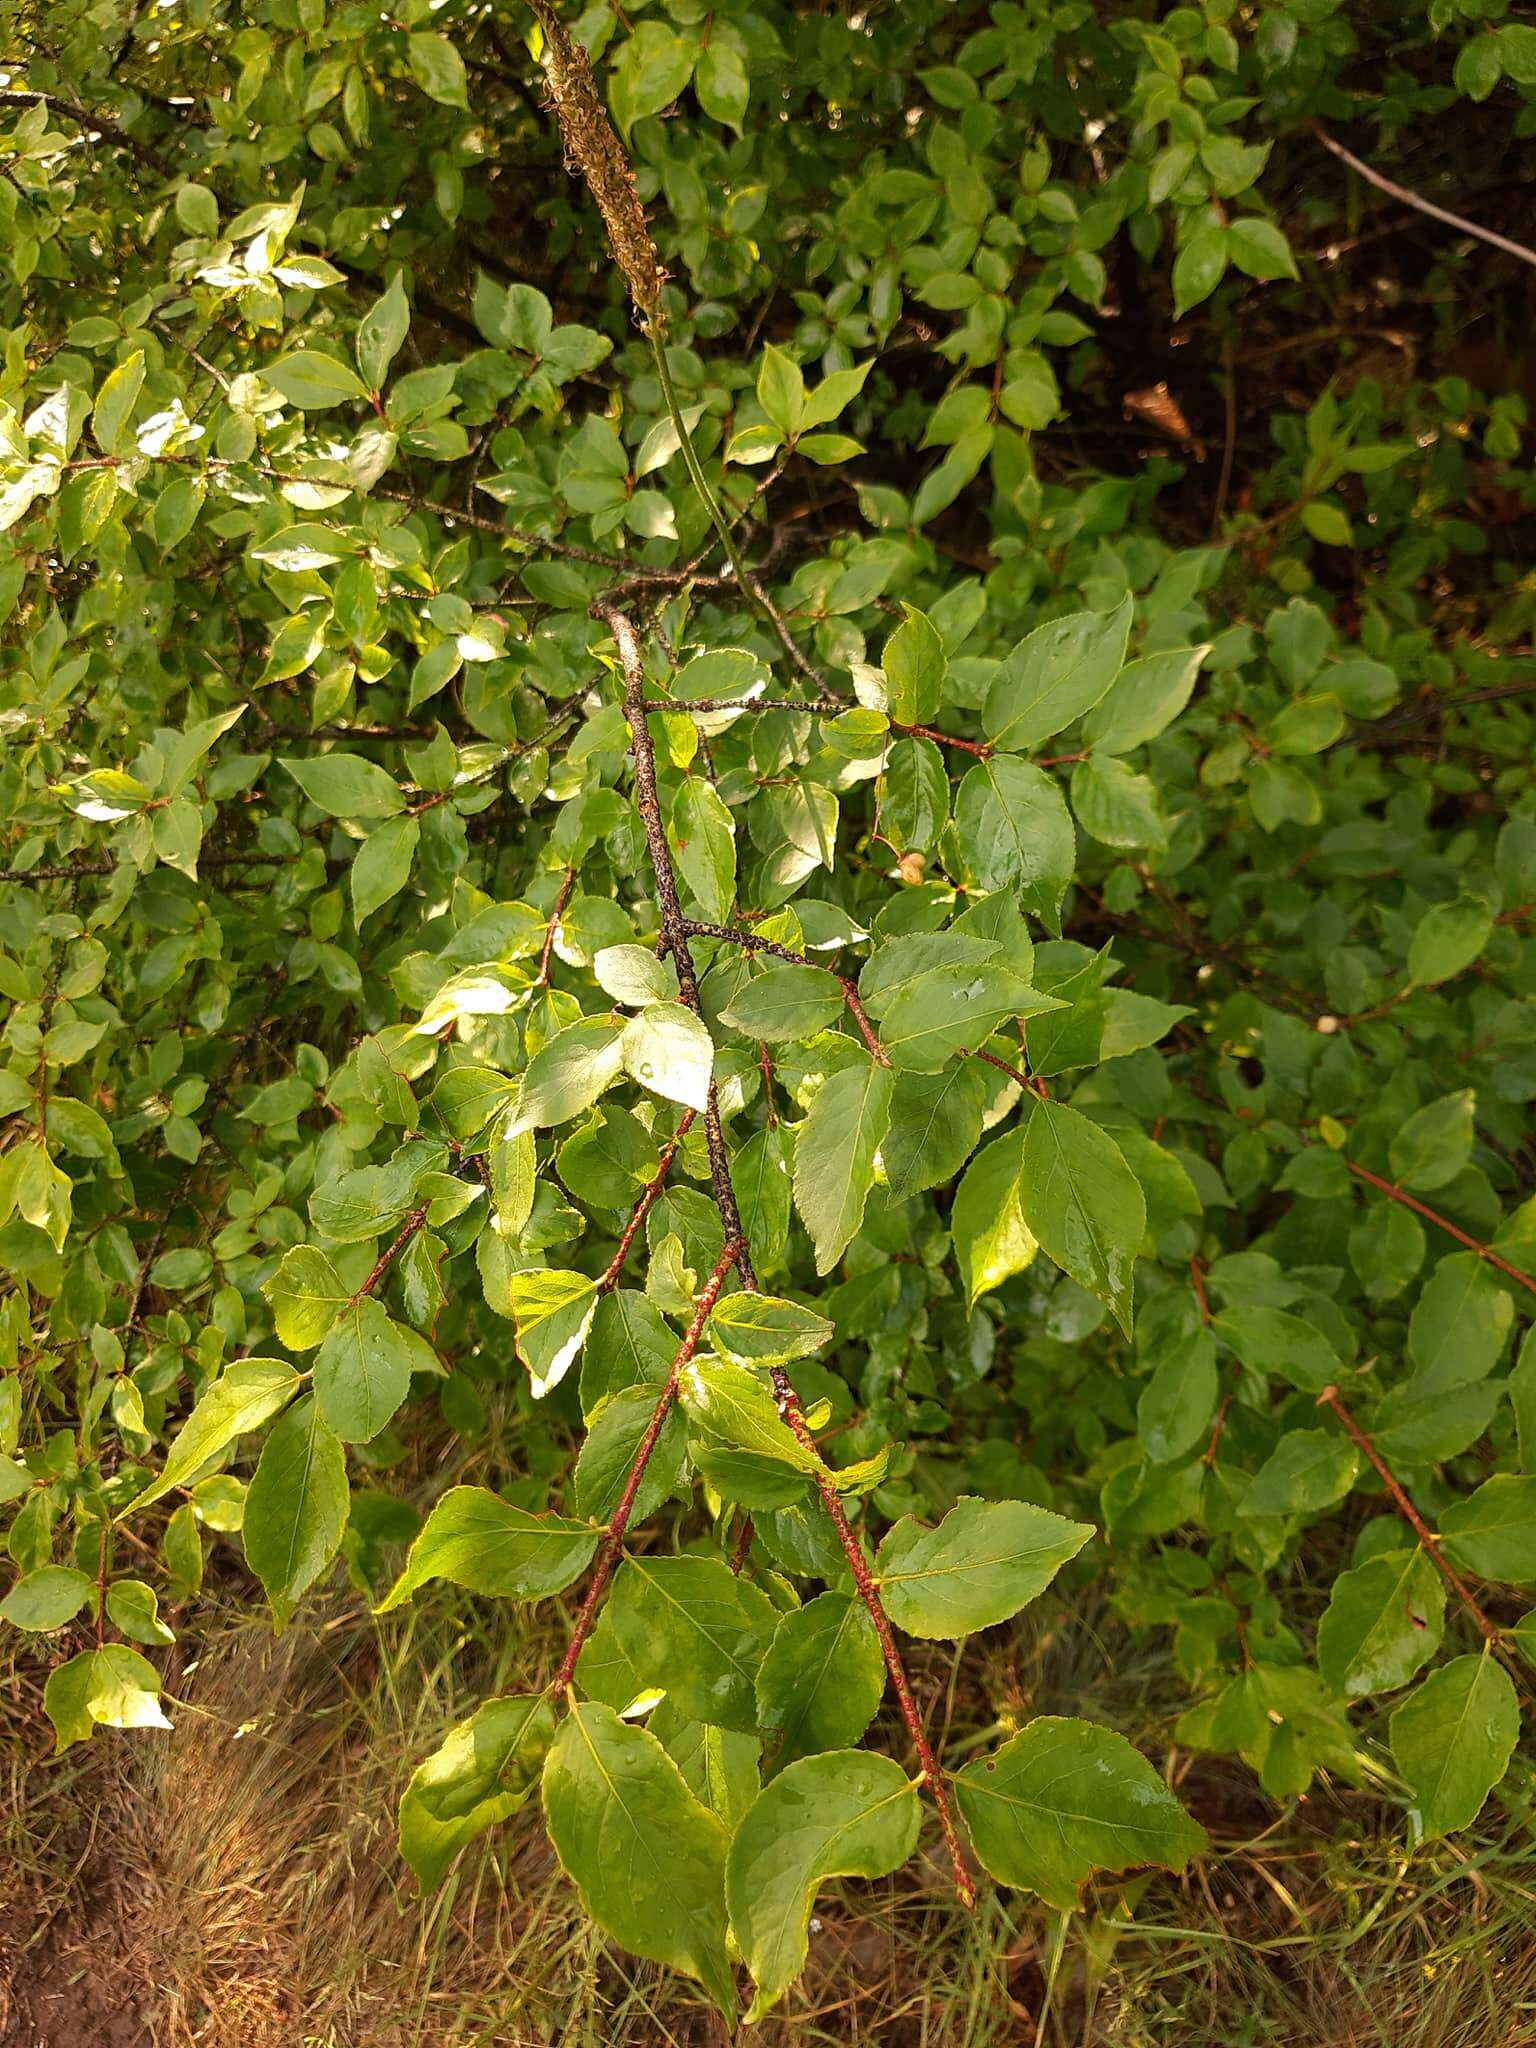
x,y
651,857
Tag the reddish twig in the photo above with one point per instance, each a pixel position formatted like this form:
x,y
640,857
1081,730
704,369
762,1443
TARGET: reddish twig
x,y
743,1547
675,933
1419,1208
1428,1540
979,748
387,1258
1197,1279
866,1030
869,1593
613,1542
646,1203
1030,1082
553,926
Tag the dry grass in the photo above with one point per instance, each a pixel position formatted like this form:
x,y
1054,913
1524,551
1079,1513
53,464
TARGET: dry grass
x,y
235,1885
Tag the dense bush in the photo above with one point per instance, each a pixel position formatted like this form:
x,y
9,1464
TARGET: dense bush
x,y
806,848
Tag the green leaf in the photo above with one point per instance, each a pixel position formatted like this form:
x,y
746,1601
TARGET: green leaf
x,y
134,1609
1199,267
1447,939
314,382
1258,248
384,326
553,1311
952,1010
484,1770
114,405
835,1148
735,1404
652,68
845,1814
568,1073
363,1369
1013,829
1493,1531
1384,1620
1083,1203
1143,700
347,786
721,84
647,1857
46,1598
983,1562
1273,1340
614,1438
382,866
785,1002
437,68
295,1507
113,1687
703,843
1308,1470
992,1240
1065,1798
248,1393
1433,1146
690,1626
915,667
475,1539
1175,1407
821,1679
762,1329
1115,805
781,389
1452,1740
668,1050
634,976
1053,676
935,1124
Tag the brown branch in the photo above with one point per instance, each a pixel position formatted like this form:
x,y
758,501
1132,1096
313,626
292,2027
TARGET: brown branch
x,y
67,871
646,1203
387,1258
869,1593
613,1542
675,935
1419,1208
815,707
736,936
553,926
1031,1082
1428,1540
979,748
866,1030
674,926
1421,205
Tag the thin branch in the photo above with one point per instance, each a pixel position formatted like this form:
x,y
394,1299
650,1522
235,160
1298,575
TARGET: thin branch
x,y
869,1594
675,932
867,1030
1421,205
1428,1540
387,1258
553,926
1031,1082
979,748
736,936
648,1197
1419,1208
613,1542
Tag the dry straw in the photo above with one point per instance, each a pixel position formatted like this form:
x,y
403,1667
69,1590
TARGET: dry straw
x,y
595,152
